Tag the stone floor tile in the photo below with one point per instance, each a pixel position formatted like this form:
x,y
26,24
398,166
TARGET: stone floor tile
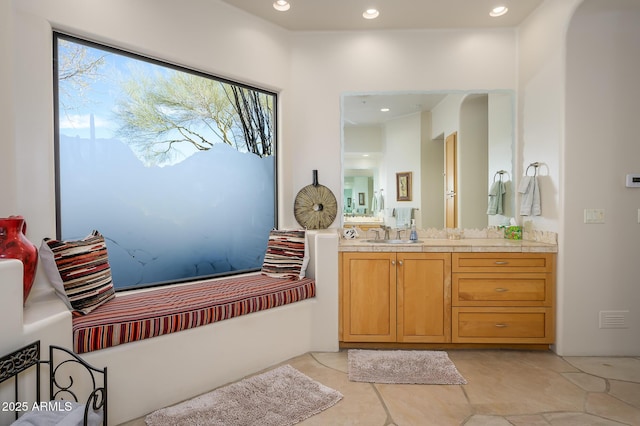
x,y
360,404
480,420
425,405
587,381
625,391
517,384
579,419
607,406
619,368
528,420
540,359
335,360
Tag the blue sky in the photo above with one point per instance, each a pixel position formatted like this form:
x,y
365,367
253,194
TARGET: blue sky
x,y
101,96
103,92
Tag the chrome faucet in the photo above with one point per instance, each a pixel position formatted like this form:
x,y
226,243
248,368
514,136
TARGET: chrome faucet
x,y
386,232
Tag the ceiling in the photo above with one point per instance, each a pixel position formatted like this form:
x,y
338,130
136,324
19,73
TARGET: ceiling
x,y
346,15
366,110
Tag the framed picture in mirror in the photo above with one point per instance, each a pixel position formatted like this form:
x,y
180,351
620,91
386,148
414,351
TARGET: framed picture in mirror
x,y
403,186
361,198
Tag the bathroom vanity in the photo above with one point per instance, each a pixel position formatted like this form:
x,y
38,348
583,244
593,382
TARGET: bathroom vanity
x,y
438,292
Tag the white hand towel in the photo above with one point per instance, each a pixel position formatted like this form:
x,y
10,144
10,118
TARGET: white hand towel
x,y
535,207
403,217
496,194
530,203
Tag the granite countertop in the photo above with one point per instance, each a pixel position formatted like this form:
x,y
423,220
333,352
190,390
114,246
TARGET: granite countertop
x,y
445,245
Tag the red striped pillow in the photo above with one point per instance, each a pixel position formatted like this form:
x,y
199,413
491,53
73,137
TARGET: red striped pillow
x,y
287,254
79,271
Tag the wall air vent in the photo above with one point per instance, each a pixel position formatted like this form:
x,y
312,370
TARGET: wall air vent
x,y
613,319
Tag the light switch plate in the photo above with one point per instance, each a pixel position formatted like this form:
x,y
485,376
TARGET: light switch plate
x,y
593,215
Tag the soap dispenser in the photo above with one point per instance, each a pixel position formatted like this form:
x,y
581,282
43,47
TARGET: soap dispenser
x,y
414,233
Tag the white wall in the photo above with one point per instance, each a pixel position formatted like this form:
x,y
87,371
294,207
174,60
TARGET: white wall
x,y
578,91
472,153
402,154
446,116
601,268
540,114
432,166
327,65
7,113
501,147
541,103
360,139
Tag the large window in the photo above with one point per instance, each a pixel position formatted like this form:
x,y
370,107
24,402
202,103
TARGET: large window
x,y
176,168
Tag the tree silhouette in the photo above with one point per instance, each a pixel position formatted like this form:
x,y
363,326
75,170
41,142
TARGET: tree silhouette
x,y
78,68
164,110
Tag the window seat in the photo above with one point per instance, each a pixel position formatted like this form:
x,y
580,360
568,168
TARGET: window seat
x,y
135,316
153,373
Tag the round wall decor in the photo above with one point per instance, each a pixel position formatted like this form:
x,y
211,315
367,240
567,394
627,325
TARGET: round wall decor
x,y
315,206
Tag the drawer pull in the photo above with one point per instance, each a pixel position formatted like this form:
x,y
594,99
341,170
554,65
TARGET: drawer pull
x,y
501,289
500,325
501,262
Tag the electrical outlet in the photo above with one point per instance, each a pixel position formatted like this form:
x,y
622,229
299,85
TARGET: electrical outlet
x,y
593,215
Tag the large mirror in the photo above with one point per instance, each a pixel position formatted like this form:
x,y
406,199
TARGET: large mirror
x,y
444,159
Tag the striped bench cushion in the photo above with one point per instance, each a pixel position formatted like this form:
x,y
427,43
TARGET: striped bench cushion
x,y
137,316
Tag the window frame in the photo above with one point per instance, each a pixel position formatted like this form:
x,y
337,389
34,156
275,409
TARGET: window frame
x,y
58,35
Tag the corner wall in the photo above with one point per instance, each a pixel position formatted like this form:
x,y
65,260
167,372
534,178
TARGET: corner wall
x,y
7,113
577,99
601,268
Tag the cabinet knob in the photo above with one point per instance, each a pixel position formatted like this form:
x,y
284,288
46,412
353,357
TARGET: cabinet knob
x,y
393,263
400,262
501,262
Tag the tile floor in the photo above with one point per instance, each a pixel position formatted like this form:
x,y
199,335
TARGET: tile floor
x,y
504,388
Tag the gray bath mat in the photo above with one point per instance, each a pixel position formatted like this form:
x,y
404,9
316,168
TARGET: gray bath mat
x,y
411,367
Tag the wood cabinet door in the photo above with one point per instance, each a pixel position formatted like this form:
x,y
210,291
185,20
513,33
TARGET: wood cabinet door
x,y
424,297
369,297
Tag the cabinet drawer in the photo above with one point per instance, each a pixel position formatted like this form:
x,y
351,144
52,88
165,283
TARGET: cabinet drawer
x,y
502,262
502,325
528,289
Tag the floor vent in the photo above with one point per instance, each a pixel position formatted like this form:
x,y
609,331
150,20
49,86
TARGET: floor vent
x,y
613,319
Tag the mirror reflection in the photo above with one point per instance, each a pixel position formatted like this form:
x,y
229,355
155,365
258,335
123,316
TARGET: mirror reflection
x,y
430,156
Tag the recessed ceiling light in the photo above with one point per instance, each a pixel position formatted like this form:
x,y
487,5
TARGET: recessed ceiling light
x,y
281,5
370,14
384,109
498,11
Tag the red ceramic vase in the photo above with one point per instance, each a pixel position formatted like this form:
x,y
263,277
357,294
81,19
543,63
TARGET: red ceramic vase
x,y
14,245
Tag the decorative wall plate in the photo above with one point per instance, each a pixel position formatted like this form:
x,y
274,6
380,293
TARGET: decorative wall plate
x,y
315,206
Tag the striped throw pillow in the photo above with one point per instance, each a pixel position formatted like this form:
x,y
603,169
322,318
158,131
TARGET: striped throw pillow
x,y
79,271
287,254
